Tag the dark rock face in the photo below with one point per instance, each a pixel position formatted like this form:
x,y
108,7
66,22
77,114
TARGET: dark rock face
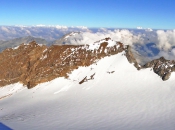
x,y
33,64
131,58
162,67
166,76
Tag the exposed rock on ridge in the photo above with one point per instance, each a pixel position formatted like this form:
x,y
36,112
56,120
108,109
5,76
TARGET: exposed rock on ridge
x,y
33,64
162,67
131,58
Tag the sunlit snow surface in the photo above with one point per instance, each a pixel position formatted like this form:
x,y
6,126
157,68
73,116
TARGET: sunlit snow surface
x,y
126,99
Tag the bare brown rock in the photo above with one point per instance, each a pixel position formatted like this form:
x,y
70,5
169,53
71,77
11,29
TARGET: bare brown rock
x,y
33,64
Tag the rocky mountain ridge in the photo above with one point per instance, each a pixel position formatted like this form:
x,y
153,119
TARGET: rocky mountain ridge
x,y
33,64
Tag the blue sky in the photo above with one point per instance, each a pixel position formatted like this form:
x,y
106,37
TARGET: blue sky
x,y
157,14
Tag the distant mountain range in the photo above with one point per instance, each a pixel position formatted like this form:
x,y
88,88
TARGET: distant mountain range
x,y
49,33
17,41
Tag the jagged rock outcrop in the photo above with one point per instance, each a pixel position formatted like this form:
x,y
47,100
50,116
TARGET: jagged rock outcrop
x,y
33,64
162,67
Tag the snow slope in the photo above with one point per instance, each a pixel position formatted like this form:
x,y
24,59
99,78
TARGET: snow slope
x,y
118,98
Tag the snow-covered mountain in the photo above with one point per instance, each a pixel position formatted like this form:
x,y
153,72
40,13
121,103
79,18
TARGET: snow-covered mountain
x,y
86,80
118,96
69,39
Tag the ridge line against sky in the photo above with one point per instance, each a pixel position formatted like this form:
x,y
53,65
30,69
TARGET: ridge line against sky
x,y
156,14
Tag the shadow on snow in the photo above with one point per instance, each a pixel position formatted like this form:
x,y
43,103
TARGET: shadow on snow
x,y
4,127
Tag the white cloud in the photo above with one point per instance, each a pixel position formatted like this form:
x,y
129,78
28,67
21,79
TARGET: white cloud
x,y
173,51
149,29
166,39
82,27
124,36
40,25
61,27
5,29
139,28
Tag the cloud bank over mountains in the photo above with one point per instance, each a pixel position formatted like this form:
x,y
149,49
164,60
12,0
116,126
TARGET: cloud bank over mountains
x,y
164,39
146,42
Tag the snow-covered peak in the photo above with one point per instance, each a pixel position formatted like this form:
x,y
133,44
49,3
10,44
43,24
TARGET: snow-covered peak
x,y
72,34
108,41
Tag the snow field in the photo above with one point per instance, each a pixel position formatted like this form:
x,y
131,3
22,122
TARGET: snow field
x,y
119,97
